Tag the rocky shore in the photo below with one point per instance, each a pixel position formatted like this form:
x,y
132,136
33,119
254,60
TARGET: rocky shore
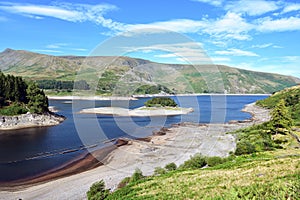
x,y
30,120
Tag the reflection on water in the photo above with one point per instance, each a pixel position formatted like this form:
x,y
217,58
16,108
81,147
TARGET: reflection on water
x,y
28,152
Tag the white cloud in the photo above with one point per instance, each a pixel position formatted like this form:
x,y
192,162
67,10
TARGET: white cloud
x,y
291,8
262,46
231,26
189,52
278,25
178,25
67,12
252,7
79,49
47,51
169,55
236,52
56,45
211,2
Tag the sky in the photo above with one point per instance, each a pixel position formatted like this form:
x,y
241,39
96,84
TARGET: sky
x,y
257,35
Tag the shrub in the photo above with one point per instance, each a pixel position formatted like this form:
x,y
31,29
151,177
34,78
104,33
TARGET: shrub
x,y
171,166
195,162
13,109
137,175
159,171
97,191
215,160
244,147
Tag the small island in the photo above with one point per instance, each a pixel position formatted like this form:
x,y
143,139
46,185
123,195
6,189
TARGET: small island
x,y
24,105
158,106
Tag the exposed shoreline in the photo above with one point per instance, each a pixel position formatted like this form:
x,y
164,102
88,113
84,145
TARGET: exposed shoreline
x,y
29,121
103,98
175,144
138,112
135,97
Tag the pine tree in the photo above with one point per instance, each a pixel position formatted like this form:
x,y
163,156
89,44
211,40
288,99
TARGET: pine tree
x,y
37,100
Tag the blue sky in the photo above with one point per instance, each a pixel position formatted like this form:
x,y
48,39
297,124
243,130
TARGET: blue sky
x,y
258,35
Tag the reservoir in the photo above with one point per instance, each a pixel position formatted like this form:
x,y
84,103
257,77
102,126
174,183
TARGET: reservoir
x,y
33,151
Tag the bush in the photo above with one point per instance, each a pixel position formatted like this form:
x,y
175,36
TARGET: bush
x,y
171,166
195,162
137,175
97,191
244,147
213,161
13,109
159,171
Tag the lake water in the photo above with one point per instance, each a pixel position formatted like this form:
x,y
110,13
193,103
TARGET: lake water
x,y
30,152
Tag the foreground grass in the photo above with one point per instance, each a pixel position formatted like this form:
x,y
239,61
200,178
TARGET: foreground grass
x,y
269,175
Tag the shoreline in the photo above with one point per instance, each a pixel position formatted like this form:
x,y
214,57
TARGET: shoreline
x,y
29,120
175,144
101,98
135,97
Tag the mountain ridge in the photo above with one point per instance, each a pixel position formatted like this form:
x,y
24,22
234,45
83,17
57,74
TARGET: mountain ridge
x,y
135,72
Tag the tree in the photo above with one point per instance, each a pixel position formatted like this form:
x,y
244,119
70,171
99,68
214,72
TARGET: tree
x,y
281,120
97,191
171,166
37,100
160,102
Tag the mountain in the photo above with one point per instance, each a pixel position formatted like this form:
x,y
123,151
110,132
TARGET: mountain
x,y
126,74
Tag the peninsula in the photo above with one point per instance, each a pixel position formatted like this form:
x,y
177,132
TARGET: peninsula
x,y
24,105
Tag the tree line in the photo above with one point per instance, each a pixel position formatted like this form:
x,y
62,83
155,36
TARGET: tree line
x,y
18,96
63,85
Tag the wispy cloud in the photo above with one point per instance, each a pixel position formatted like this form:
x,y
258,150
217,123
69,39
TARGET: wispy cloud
x,y
236,52
252,7
189,52
278,25
67,12
178,25
262,46
211,2
291,8
231,26
56,45
47,51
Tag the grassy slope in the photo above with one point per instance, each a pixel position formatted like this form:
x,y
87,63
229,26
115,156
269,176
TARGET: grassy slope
x,y
292,99
261,176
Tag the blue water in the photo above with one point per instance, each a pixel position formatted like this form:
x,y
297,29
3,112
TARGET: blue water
x,y
30,152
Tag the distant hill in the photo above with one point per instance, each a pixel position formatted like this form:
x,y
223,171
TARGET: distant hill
x,y
125,74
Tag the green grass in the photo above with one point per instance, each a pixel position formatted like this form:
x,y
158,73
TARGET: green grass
x,y
260,176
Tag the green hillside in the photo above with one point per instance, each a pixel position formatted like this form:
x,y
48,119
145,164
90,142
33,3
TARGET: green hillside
x,y
291,96
260,176
126,76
